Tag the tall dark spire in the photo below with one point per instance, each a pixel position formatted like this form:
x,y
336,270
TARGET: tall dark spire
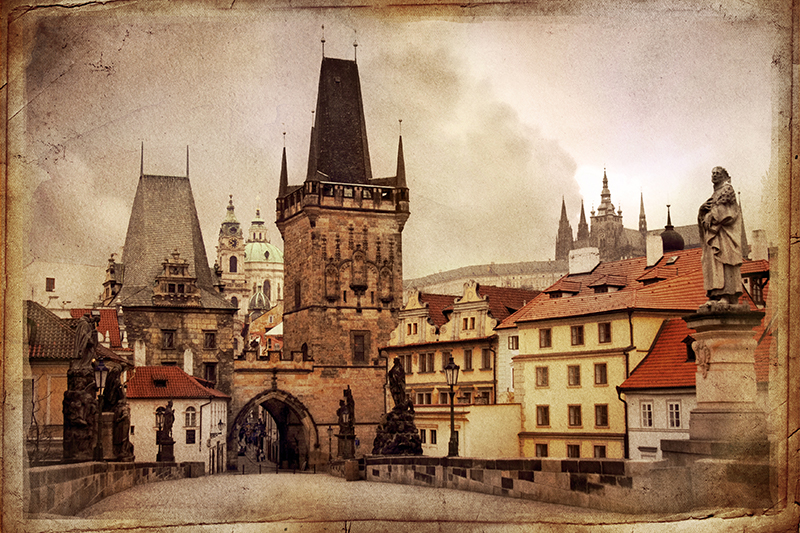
x,y
141,163
401,166
339,150
564,237
283,186
583,227
642,218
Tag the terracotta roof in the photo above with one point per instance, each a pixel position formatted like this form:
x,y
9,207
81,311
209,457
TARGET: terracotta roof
x,y
505,300
177,384
437,303
47,336
750,267
108,323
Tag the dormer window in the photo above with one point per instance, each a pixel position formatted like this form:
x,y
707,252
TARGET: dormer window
x,y
690,355
160,383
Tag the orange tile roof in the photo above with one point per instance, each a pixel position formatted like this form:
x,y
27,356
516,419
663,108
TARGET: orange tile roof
x,y
505,300
437,303
178,384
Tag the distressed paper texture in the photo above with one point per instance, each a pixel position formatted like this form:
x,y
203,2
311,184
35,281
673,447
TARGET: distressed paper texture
x,y
506,109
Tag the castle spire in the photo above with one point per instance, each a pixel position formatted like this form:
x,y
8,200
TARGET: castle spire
x,y
283,185
642,218
564,237
583,227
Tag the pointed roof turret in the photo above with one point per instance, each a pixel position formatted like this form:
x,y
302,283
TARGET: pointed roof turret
x,y
401,166
338,150
605,207
642,218
230,216
564,236
671,240
283,186
583,227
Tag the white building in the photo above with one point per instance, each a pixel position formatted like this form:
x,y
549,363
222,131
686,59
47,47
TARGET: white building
x,y
201,421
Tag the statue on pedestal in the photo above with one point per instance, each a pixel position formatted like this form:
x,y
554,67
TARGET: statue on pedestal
x,y
720,222
397,434
79,406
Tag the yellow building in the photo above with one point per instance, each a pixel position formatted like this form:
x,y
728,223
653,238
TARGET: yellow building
x,y
434,328
581,338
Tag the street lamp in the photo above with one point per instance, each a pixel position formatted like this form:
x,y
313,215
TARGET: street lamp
x,y
330,439
451,374
100,375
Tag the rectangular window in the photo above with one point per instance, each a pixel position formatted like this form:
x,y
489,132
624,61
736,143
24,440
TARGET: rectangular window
x,y
297,299
472,322
574,376
647,414
433,436
190,436
167,339
600,452
211,372
209,340
573,451
545,338
191,417
576,335
344,296
542,376
171,287
543,415
674,413
574,412
467,360
408,329
423,434
50,284
465,398
486,359
414,329
423,398
406,361
513,342
541,450
360,344
600,374
445,359
601,415
444,398
465,324
604,332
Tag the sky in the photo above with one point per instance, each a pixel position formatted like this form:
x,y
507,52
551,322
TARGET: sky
x,y
502,117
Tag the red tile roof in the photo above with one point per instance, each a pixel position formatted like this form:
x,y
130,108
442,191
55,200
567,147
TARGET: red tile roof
x,y
437,303
47,336
178,384
108,323
505,300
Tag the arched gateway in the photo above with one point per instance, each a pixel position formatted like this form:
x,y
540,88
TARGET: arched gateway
x,y
297,432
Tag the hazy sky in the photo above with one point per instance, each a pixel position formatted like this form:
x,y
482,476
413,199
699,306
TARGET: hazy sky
x,y
501,117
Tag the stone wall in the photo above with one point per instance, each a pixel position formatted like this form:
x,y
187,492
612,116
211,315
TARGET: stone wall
x,y
68,489
610,485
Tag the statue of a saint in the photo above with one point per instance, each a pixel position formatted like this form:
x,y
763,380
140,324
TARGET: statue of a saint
x,y
720,224
397,384
169,418
85,340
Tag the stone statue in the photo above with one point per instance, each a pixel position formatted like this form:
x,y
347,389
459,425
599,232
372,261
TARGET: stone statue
x,y
85,340
123,448
397,384
351,407
720,223
169,419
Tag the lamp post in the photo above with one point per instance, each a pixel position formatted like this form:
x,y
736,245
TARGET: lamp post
x,y
451,374
330,443
100,375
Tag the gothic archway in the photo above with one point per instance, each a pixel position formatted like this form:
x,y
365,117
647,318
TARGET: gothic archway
x,y
297,433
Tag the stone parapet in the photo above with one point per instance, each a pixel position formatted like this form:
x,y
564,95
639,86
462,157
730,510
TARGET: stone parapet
x,y
67,489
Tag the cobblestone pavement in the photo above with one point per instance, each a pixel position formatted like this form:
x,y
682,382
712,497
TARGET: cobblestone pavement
x,y
307,502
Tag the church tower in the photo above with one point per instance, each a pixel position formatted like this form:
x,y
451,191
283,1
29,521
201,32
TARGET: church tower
x,y
230,258
606,231
642,218
564,236
342,233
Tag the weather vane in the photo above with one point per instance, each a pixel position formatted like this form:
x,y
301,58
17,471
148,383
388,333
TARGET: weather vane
x,y
323,40
355,46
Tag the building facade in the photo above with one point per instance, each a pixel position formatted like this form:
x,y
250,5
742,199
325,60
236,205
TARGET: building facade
x,y
342,234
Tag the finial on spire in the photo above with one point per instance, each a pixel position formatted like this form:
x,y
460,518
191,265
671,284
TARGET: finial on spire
x,y
323,40
355,46
284,139
312,118
400,122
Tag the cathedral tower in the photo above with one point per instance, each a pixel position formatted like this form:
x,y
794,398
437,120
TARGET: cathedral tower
x,y
564,236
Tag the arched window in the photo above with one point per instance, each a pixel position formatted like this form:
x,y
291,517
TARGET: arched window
x,y
267,289
233,264
191,417
235,301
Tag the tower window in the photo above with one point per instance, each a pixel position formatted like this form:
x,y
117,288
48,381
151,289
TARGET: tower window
x,y
233,264
50,284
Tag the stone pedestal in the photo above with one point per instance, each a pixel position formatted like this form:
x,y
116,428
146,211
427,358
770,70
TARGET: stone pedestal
x,y
347,445
726,379
166,451
351,470
107,436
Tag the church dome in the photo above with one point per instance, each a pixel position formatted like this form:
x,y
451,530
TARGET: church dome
x,y
262,252
671,240
259,301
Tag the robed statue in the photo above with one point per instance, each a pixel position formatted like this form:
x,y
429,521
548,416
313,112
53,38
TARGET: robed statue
x,y
720,224
397,384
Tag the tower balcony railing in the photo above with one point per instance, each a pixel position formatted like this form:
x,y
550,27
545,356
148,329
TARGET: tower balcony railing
x,y
345,195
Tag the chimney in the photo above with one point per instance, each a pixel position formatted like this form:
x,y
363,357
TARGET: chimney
x,y
583,260
759,248
655,248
